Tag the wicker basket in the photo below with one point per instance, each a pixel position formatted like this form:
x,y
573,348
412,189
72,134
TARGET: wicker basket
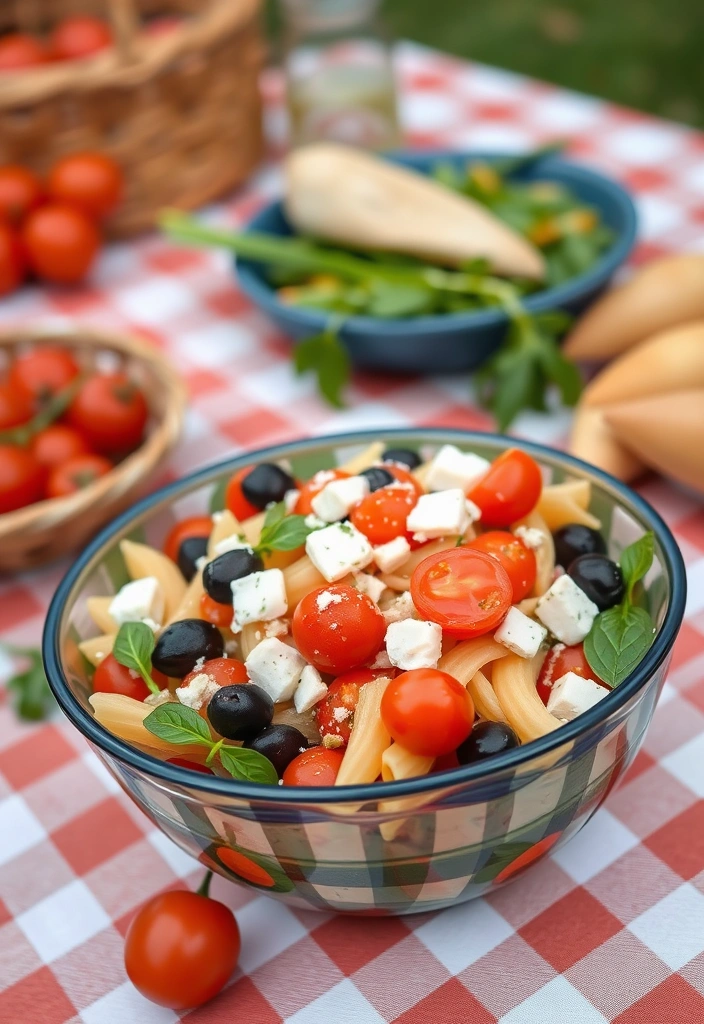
x,y
44,531
180,112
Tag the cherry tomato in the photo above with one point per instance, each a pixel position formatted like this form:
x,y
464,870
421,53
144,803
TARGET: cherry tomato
x,y
315,767
43,371
181,949
404,476
79,36
112,677
212,611
20,193
337,627
514,556
334,714
18,51
560,660
467,592
21,478
57,444
92,182
111,413
223,671
510,489
427,711
381,516
75,474
61,243
314,486
235,500
195,526
15,407
182,762
13,262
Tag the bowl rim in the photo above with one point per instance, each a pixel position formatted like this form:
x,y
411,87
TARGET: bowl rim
x,y
263,295
362,793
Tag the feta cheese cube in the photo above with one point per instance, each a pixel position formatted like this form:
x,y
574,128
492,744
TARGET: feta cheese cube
x,y
381,661
414,644
232,543
337,550
369,585
275,667
276,627
137,601
443,514
392,555
198,692
291,499
313,522
453,468
573,694
339,497
531,537
310,690
259,597
566,611
522,636
401,608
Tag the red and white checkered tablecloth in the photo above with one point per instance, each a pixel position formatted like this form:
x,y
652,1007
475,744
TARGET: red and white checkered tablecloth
x,y
612,927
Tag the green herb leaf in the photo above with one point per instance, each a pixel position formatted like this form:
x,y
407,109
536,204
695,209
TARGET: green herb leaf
x,y
617,641
635,561
217,498
133,648
32,698
274,515
398,300
281,532
178,724
327,357
248,765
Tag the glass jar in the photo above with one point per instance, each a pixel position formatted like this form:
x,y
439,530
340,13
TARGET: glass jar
x,y
339,78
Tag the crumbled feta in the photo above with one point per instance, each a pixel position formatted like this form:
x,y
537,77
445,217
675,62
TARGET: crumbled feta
x,y
198,692
572,694
522,636
325,598
341,714
232,543
313,522
531,537
399,609
164,696
453,468
339,497
276,627
369,585
443,514
337,550
137,601
332,742
198,667
276,667
310,690
566,611
259,597
381,661
414,644
291,499
392,555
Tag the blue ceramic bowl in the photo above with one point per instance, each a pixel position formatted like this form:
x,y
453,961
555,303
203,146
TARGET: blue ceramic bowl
x,y
452,342
400,847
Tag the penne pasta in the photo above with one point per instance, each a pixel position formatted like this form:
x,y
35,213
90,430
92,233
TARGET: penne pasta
x,y
142,560
565,503
399,763
251,635
514,681
286,714
465,662
486,702
300,579
189,607
224,525
544,554
124,717
365,459
98,610
369,737
252,527
97,648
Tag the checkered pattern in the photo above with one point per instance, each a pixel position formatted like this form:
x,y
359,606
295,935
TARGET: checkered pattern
x,y
607,929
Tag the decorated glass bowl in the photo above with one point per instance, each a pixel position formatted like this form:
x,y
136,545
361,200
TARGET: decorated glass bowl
x,y
400,847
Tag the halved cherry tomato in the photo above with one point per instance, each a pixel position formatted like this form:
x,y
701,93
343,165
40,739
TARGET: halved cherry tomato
x,y
467,592
15,407
194,526
381,516
92,182
183,762
61,243
79,36
337,627
112,677
58,443
13,262
334,714
111,413
516,558
427,711
21,478
75,474
404,476
558,661
223,671
212,611
235,500
20,193
43,371
315,767
19,50
314,486
510,489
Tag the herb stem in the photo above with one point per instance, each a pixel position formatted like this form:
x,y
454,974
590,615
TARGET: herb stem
x,y
204,887
213,751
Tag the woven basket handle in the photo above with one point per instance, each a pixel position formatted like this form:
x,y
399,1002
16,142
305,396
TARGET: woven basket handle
x,y
126,24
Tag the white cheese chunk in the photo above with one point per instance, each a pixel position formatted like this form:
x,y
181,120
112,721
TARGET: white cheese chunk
x,y
310,690
137,601
531,537
566,611
232,543
259,597
291,499
198,692
339,497
573,694
443,514
392,555
381,661
400,608
369,585
453,468
337,550
276,627
414,644
313,522
522,636
275,667
164,696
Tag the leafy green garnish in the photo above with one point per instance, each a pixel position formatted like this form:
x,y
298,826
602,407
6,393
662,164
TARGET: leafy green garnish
x,y
248,765
32,698
281,532
325,355
133,648
636,560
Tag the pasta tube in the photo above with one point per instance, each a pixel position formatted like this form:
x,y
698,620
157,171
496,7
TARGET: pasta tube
x,y
125,716
369,737
142,560
544,554
365,459
565,503
300,579
465,661
189,606
514,681
399,763
224,525
98,610
97,648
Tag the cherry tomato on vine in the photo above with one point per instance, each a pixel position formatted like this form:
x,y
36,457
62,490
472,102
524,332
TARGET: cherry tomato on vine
x,y
314,486
514,556
111,413
337,627
92,182
75,474
61,243
466,592
43,371
381,516
212,611
20,193
509,490
194,526
19,50
13,262
235,500
560,660
15,407
427,711
112,677
79,36
334,714
224,671
58,443
21,478
315,767
181,948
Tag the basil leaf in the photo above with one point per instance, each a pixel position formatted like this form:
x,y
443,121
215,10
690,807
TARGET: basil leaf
x,y
617,641
248,765
33,700
176,723
636,559
327,357
287,535
274,515
133,648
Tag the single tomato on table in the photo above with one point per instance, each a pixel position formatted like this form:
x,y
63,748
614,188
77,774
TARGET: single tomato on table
x,y
194,526
57,444
21,478
315,767
337,627
112,677
13,262
111,413
518,560
334,714
509,490
427,711
43,371
61,243
92,182
20,193
75,474
467,592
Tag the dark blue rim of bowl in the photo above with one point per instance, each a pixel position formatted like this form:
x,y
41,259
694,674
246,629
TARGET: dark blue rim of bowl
x,y
457,777
263,294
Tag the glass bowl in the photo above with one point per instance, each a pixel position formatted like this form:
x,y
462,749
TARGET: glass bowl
x,y
388,848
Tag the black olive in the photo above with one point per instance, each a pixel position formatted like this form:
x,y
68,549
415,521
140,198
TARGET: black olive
x,y
485,740
266,483
574,540
231,565
377,477
184,643
599,578
190,550
403,455
280,743
240,712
